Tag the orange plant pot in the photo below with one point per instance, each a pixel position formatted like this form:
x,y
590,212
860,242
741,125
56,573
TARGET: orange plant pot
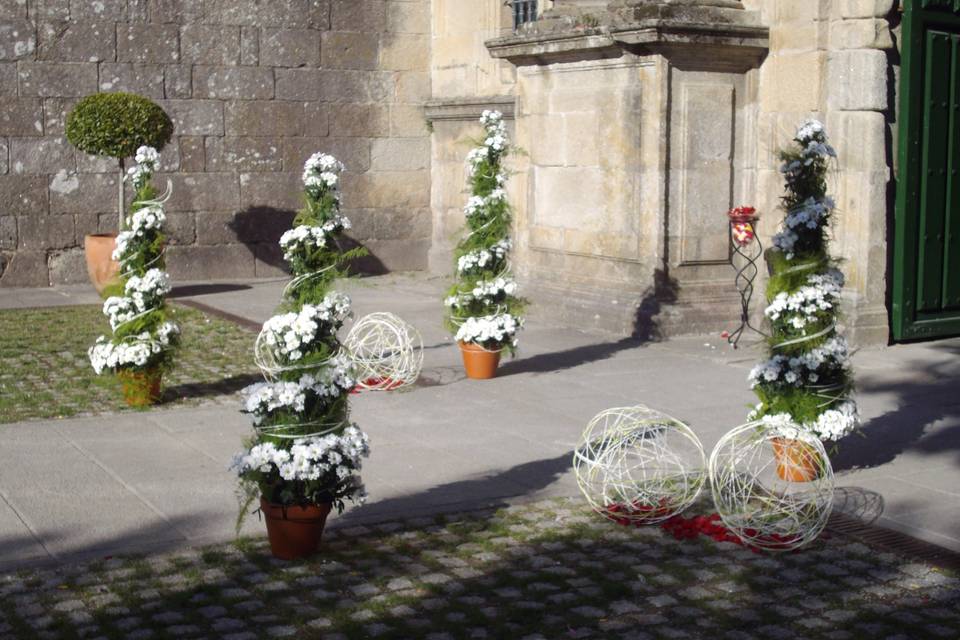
x,y
480,363
294,531
101,267
140,388
797,461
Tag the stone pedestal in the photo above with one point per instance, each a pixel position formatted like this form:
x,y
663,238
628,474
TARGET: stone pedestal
x,y
638,119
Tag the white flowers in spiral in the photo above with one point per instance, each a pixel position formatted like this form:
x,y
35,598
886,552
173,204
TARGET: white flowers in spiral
x,y
285,337
638,465
387,352
751,495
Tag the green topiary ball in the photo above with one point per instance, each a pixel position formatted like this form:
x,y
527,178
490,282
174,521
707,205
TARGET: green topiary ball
x,y
117,124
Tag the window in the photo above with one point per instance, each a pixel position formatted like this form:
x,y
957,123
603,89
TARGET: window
x,y
524,11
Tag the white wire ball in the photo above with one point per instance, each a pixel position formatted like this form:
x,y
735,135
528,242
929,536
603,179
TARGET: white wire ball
x,y
773,492
636,465
386,350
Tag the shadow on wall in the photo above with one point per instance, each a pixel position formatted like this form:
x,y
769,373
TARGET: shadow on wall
x,y
926,397
259,229
663,292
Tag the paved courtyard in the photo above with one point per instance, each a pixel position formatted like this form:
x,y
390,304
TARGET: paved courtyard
x,y
78,491
540,571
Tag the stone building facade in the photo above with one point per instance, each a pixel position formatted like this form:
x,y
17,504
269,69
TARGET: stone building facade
x,y
644,122
641,121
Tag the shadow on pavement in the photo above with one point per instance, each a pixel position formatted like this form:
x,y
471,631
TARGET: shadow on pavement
x,y
488,491
226,386
154,537
646,329
862,504
186,291
567,359
931,398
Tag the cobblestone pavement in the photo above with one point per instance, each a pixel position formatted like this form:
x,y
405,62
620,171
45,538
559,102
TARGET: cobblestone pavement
x,y
45,371
549,569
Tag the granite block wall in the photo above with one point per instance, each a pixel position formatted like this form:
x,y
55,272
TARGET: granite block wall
x,y
253,87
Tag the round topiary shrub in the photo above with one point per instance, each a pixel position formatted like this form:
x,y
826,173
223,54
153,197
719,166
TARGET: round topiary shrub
x,y
117,124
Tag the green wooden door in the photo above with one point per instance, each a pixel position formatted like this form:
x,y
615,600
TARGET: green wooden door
x,y
926,270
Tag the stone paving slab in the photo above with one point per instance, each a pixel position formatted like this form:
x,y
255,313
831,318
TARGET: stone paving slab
x,y
451,443
544,570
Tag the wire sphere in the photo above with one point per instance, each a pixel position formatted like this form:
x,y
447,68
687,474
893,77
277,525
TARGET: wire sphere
x,y
386,350
271,367
635,465
773,492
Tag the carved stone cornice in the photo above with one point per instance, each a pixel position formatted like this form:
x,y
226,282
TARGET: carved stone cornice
x,y
468,109
685,31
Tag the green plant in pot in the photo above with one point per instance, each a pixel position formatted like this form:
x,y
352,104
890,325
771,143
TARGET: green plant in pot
x,y
483,310
805,385
144,336
305,455
114,125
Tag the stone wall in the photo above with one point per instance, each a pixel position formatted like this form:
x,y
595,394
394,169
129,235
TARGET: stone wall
x,y
465,81
835,60
253,87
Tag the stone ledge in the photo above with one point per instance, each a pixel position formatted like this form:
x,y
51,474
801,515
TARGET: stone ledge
x,y
749,41
468,109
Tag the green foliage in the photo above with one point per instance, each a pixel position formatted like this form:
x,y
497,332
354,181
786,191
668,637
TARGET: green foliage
x,y
807,364
315,267
487,227
117,124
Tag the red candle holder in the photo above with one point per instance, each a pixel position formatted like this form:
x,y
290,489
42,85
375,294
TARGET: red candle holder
x,y
743,258
742,221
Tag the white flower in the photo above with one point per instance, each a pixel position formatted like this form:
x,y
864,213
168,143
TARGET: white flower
x,y
321,173
289,334
810,130
481,259
147,156
305,237
311,459
497,329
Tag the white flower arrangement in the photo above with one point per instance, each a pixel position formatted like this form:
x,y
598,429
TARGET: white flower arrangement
x,y
331,381
304,237
814,212
147,160
291,334
495,143
822,293
141,295
136,351
310,459
804,369
805,384
483,304
831,425
477,261
321,174
499,329
486,291
144,287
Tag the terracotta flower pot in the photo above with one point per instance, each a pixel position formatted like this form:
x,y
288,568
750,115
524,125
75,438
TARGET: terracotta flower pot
x,y
140,388
797,461
101,267
480,363
294,531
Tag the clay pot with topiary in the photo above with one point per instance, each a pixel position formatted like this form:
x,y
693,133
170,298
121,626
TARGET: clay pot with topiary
x,y
114,125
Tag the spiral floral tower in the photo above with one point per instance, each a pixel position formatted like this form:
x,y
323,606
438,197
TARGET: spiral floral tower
x,y
482,304
305,451
805,385
144,337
